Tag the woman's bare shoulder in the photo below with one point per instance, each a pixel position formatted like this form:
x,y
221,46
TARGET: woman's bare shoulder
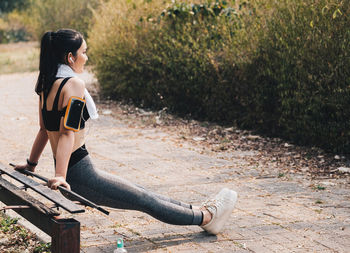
x,y
76,82
74,87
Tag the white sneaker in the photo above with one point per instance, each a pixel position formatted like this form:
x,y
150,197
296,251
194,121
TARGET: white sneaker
x,y
220,208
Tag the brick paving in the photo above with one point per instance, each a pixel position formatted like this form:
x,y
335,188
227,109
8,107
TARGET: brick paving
x,y
273,214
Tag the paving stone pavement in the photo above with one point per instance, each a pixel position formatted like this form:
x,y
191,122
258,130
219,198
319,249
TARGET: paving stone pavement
x,y
273,214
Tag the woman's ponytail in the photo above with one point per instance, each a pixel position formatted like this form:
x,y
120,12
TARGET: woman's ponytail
x,y
48,63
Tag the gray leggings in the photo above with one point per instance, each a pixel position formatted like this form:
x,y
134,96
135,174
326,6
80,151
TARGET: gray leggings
x,y
109,190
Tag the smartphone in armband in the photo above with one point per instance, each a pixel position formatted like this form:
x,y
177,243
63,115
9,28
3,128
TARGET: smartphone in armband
x,y
73,113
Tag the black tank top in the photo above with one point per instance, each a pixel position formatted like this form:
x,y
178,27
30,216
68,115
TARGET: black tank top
x,y
52,118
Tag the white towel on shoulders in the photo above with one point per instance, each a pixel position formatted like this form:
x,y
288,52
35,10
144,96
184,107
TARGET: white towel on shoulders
x,y
66,71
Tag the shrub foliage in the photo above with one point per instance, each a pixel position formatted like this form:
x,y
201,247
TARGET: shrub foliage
x,y
10,5
304,69
44,15
12,28
22,20
280,67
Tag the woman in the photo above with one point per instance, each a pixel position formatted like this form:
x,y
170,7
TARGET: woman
x,y
63,54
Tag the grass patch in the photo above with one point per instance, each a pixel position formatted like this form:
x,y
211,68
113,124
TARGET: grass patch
x,y
7,223
43,247
281,175
319,187
239,245
19,57
15,238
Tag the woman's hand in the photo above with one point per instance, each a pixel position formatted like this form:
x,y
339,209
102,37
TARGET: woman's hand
x,y
53,183
24,167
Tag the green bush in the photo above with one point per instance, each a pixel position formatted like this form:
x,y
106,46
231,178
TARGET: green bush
x,y
158,57
279,67
12,28
7,36
34,17
302,73
114,44
44,15
10,5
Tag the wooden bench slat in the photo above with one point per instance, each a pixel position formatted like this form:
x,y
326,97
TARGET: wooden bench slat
x,y
27,199
53,196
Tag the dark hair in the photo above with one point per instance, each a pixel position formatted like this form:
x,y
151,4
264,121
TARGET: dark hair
x,y
55,47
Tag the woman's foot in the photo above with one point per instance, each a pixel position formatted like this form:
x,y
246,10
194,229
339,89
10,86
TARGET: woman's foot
x,y
206,216
217,211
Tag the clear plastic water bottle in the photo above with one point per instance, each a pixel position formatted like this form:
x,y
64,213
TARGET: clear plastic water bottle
x,y
120,247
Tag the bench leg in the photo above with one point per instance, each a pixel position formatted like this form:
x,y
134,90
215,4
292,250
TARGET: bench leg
x,y
65,236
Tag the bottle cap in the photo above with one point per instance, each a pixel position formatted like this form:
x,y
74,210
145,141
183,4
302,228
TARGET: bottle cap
x,y
120,243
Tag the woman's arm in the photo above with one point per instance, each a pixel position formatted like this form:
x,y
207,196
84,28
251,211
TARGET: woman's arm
x,y
38,145
74,87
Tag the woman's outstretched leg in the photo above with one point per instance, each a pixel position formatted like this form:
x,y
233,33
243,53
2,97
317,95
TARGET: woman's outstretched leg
x,y
110,190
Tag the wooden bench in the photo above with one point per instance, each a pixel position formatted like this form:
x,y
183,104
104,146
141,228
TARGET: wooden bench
x,y
65,233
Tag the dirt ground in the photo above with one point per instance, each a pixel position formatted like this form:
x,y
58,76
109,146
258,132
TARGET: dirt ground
x,y
291,198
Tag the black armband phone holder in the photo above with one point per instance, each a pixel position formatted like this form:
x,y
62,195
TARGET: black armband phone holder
x,y
73,113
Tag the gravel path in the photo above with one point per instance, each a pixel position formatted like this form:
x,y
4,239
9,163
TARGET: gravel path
x,y
291,199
